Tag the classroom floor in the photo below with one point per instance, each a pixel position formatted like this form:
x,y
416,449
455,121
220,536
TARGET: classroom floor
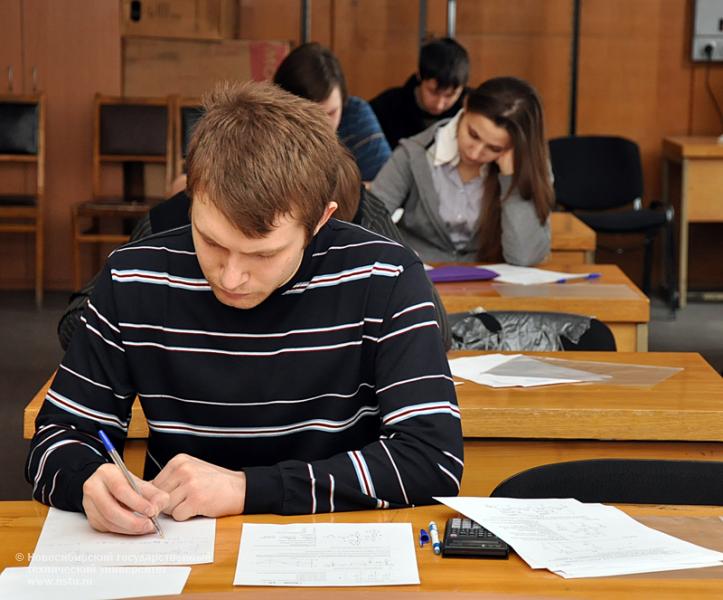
x,y
29,352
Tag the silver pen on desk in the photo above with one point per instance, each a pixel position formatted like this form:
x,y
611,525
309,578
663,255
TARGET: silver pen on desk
x,y
121,465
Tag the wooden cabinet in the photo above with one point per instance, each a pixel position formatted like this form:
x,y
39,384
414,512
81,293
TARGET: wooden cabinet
x,y
69,49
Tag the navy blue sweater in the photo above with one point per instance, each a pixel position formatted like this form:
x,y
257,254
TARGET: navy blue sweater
x,y
333,394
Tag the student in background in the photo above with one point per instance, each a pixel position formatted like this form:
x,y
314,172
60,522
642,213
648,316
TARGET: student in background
x,y
434,93
476,187
313,72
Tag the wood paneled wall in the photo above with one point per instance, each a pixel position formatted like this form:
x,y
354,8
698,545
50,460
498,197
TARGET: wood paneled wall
x,y
635,78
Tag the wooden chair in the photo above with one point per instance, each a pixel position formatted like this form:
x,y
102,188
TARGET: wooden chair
x,y
22,141
186,113
132,133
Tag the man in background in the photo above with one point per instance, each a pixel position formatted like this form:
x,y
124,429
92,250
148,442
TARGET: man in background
x,y
434,93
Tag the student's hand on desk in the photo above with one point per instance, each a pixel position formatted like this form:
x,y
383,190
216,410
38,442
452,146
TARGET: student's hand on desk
x,y
111,504
197,487
506,162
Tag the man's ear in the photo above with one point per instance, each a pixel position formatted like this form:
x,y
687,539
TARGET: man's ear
x,y
328,212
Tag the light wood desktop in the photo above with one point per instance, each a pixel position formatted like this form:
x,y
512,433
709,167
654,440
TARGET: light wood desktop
x,y
509,430
572,241
21,522
701,201
627,317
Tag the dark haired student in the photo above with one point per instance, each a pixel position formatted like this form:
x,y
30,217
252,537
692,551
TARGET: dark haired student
x,y
477,187
435,92
286,362
313,72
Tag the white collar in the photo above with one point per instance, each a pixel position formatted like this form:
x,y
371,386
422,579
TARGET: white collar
x,y
445,147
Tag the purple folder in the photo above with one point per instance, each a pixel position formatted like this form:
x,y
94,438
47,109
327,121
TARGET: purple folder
x,y
460,273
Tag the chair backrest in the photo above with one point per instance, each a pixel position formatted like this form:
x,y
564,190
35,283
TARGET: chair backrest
x,y
529,331
132,130
596,172
187,113
620,480
22,134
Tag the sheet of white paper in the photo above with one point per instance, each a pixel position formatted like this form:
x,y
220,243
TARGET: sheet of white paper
x,y
581,540
529,275
476,368
90,582
327,554
67,539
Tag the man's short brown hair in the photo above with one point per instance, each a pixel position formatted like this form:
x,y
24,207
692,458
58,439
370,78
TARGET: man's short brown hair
x,y
259,153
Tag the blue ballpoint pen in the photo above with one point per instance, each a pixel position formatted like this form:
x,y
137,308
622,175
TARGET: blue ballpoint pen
x,y
121,465
588,276
434,534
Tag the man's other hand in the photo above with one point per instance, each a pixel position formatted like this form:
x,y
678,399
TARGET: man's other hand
x,y
197,487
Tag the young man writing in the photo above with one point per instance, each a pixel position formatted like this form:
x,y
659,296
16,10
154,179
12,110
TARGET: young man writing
x,y
286,362
434,93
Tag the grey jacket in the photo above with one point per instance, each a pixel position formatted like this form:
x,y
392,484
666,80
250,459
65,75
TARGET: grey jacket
x,y
406,182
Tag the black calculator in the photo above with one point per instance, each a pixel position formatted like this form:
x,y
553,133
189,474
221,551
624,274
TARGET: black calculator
x,y
466,538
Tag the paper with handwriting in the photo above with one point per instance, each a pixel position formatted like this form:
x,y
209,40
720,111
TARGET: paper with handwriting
x,y
327,554
68,539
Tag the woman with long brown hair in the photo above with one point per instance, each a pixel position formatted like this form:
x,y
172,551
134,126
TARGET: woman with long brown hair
x,y
477,187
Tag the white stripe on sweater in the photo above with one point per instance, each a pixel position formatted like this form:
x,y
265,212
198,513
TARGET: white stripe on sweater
x,y
312,479
358,244
450,475
394,466
102,318
421,410
355,274
84,412
159,278
404,311
326,425
240,352
100,385
223,334
362,472
412,380
255,404
100,335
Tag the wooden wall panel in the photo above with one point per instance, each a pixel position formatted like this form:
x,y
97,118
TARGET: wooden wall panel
x,y
281,20
376,42
525,39
57,37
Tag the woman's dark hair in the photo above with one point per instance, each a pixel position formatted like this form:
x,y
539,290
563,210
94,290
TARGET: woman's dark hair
x,y
514,105
445,61
312,72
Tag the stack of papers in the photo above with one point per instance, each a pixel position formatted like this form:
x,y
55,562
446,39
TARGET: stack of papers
x,y
574,540
72,560
516,370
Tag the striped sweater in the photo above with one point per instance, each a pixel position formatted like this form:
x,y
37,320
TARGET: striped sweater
x,y
333,394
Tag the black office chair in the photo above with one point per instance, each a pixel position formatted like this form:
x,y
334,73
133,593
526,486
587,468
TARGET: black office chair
x,y
596,176
628,481
529,331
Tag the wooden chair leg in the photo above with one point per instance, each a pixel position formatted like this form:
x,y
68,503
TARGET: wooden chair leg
x,y
39,263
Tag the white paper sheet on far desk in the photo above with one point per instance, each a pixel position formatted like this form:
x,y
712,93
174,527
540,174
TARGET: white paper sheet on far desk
x,y
68,539
88,582
529,275
477,369
581,540
327,554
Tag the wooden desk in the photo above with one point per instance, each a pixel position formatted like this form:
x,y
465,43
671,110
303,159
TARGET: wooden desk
x,y
627,317
701,198
21,522
685,409
572,241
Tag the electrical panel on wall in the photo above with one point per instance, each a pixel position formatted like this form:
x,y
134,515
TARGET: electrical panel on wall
x,y
708,31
